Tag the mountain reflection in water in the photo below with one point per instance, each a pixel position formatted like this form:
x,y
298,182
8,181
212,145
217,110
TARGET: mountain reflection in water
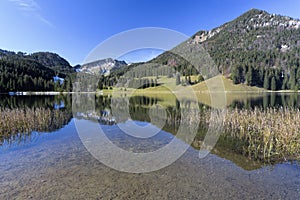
x,y
23,116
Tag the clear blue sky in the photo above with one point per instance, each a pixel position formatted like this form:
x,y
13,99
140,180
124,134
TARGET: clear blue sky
x,y
73,28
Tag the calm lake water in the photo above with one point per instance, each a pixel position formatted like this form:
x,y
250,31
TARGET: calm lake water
x,y
52,163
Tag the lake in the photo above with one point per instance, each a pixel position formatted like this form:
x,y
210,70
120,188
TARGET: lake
x,y
42,155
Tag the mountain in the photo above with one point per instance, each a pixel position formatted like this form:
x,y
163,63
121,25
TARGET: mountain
x,y
19,74
103,67
4,53
34,72
52,61
257,49
255,32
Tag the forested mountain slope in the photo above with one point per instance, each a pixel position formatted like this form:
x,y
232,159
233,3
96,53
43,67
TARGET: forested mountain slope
x,y
257,49
34,72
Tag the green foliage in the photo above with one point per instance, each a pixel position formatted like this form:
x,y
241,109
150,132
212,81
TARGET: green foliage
x,y
25,75
273,84
21,72
252,50
176,63
142,83
200,78
266,81
52,61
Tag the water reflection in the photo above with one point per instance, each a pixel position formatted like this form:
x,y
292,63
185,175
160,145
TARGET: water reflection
x,y
23,118
145,109
59,162
12,102
268,100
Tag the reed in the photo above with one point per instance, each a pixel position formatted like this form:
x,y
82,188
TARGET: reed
x,y
17,123
271,134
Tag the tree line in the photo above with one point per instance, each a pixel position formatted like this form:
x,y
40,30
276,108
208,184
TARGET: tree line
x,y
26,75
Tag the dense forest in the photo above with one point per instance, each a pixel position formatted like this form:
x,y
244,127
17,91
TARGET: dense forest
x,y
257,49
53,61
35,72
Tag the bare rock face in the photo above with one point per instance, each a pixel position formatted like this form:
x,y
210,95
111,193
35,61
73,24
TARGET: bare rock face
x,y
103,67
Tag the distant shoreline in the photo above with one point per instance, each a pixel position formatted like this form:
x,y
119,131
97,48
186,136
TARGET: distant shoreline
x,y
34,93
50,93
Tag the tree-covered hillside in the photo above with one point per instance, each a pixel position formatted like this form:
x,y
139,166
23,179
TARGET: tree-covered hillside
x,y
53,61
35,72
257,49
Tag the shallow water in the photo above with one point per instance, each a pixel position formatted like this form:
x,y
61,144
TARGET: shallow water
x,y
56,165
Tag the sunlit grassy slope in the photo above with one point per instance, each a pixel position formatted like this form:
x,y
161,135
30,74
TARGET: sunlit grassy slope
x,y
217,92
215,84
220,83
220,91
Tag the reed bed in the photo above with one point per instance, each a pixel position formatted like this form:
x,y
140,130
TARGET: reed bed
x,y
271,134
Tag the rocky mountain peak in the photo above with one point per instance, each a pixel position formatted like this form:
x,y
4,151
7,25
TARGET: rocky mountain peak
x,y
104,66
